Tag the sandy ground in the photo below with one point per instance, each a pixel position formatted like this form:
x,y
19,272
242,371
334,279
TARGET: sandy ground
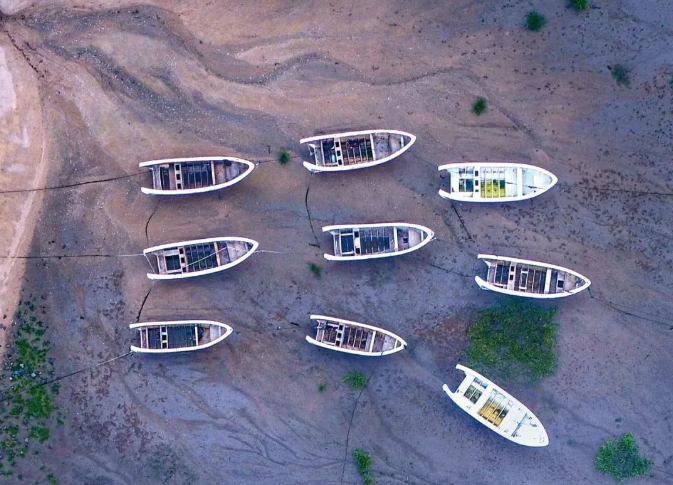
x,y
119,83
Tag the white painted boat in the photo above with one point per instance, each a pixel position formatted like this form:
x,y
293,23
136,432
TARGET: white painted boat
x,y
496,409
354,338
199,257
532,279
183,176
179,335
354,242
495,181
355,149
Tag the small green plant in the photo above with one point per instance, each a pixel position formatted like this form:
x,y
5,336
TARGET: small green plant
x,y
620,74
364,463
322,387
479,106
315,269
355,379
283,157
535,21
620,458
579,4
40,433
51,478
514,342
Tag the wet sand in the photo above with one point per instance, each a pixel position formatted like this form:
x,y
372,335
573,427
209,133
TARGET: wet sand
x,y
119,83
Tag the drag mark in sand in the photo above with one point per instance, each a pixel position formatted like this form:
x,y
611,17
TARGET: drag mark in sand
x,y
68,186
308,212
462,223
142,305
350,424
147,225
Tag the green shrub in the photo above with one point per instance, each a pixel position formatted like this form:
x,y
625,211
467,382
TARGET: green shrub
x,y
40,433
283,157
514,342
535,21
620,458
579,4
355,379
620,74
322,387
364,462
315,269
479,106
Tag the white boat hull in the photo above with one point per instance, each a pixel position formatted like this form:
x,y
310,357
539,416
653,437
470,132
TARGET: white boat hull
x,y
400,340
522,427
201,190
538,181
485,285
429,235
315,168
156,276
227,331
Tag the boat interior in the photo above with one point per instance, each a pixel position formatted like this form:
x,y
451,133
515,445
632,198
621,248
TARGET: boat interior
x,y
176,336
527,278
356,149
199,257
194,175
375,240
496,182
353,337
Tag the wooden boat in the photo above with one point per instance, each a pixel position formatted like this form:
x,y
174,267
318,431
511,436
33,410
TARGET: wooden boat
x,y
497,410
495,181
354,338
182,176
532,279
179,336
353,242
355,149
198,257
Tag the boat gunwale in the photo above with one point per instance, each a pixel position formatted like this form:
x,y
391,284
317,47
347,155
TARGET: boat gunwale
x,y
489,286
313,341
210,188
493,164
474,413
217,269
229,331
344,168
425,241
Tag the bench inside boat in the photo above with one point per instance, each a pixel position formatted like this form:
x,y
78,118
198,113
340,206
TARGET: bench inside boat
x,y
496,182
527,278
174,336
199,257
353,337
195,174
374,240
357,149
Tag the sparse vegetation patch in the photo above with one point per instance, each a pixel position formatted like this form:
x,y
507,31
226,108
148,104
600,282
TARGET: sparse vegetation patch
x,y
26,408
620,458
514,342
364,463
620,74
355,379
535,21
579,4
479,106
283,157
315,269
322,387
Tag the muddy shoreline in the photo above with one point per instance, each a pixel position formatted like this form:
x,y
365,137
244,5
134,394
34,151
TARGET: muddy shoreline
x,y
139,82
